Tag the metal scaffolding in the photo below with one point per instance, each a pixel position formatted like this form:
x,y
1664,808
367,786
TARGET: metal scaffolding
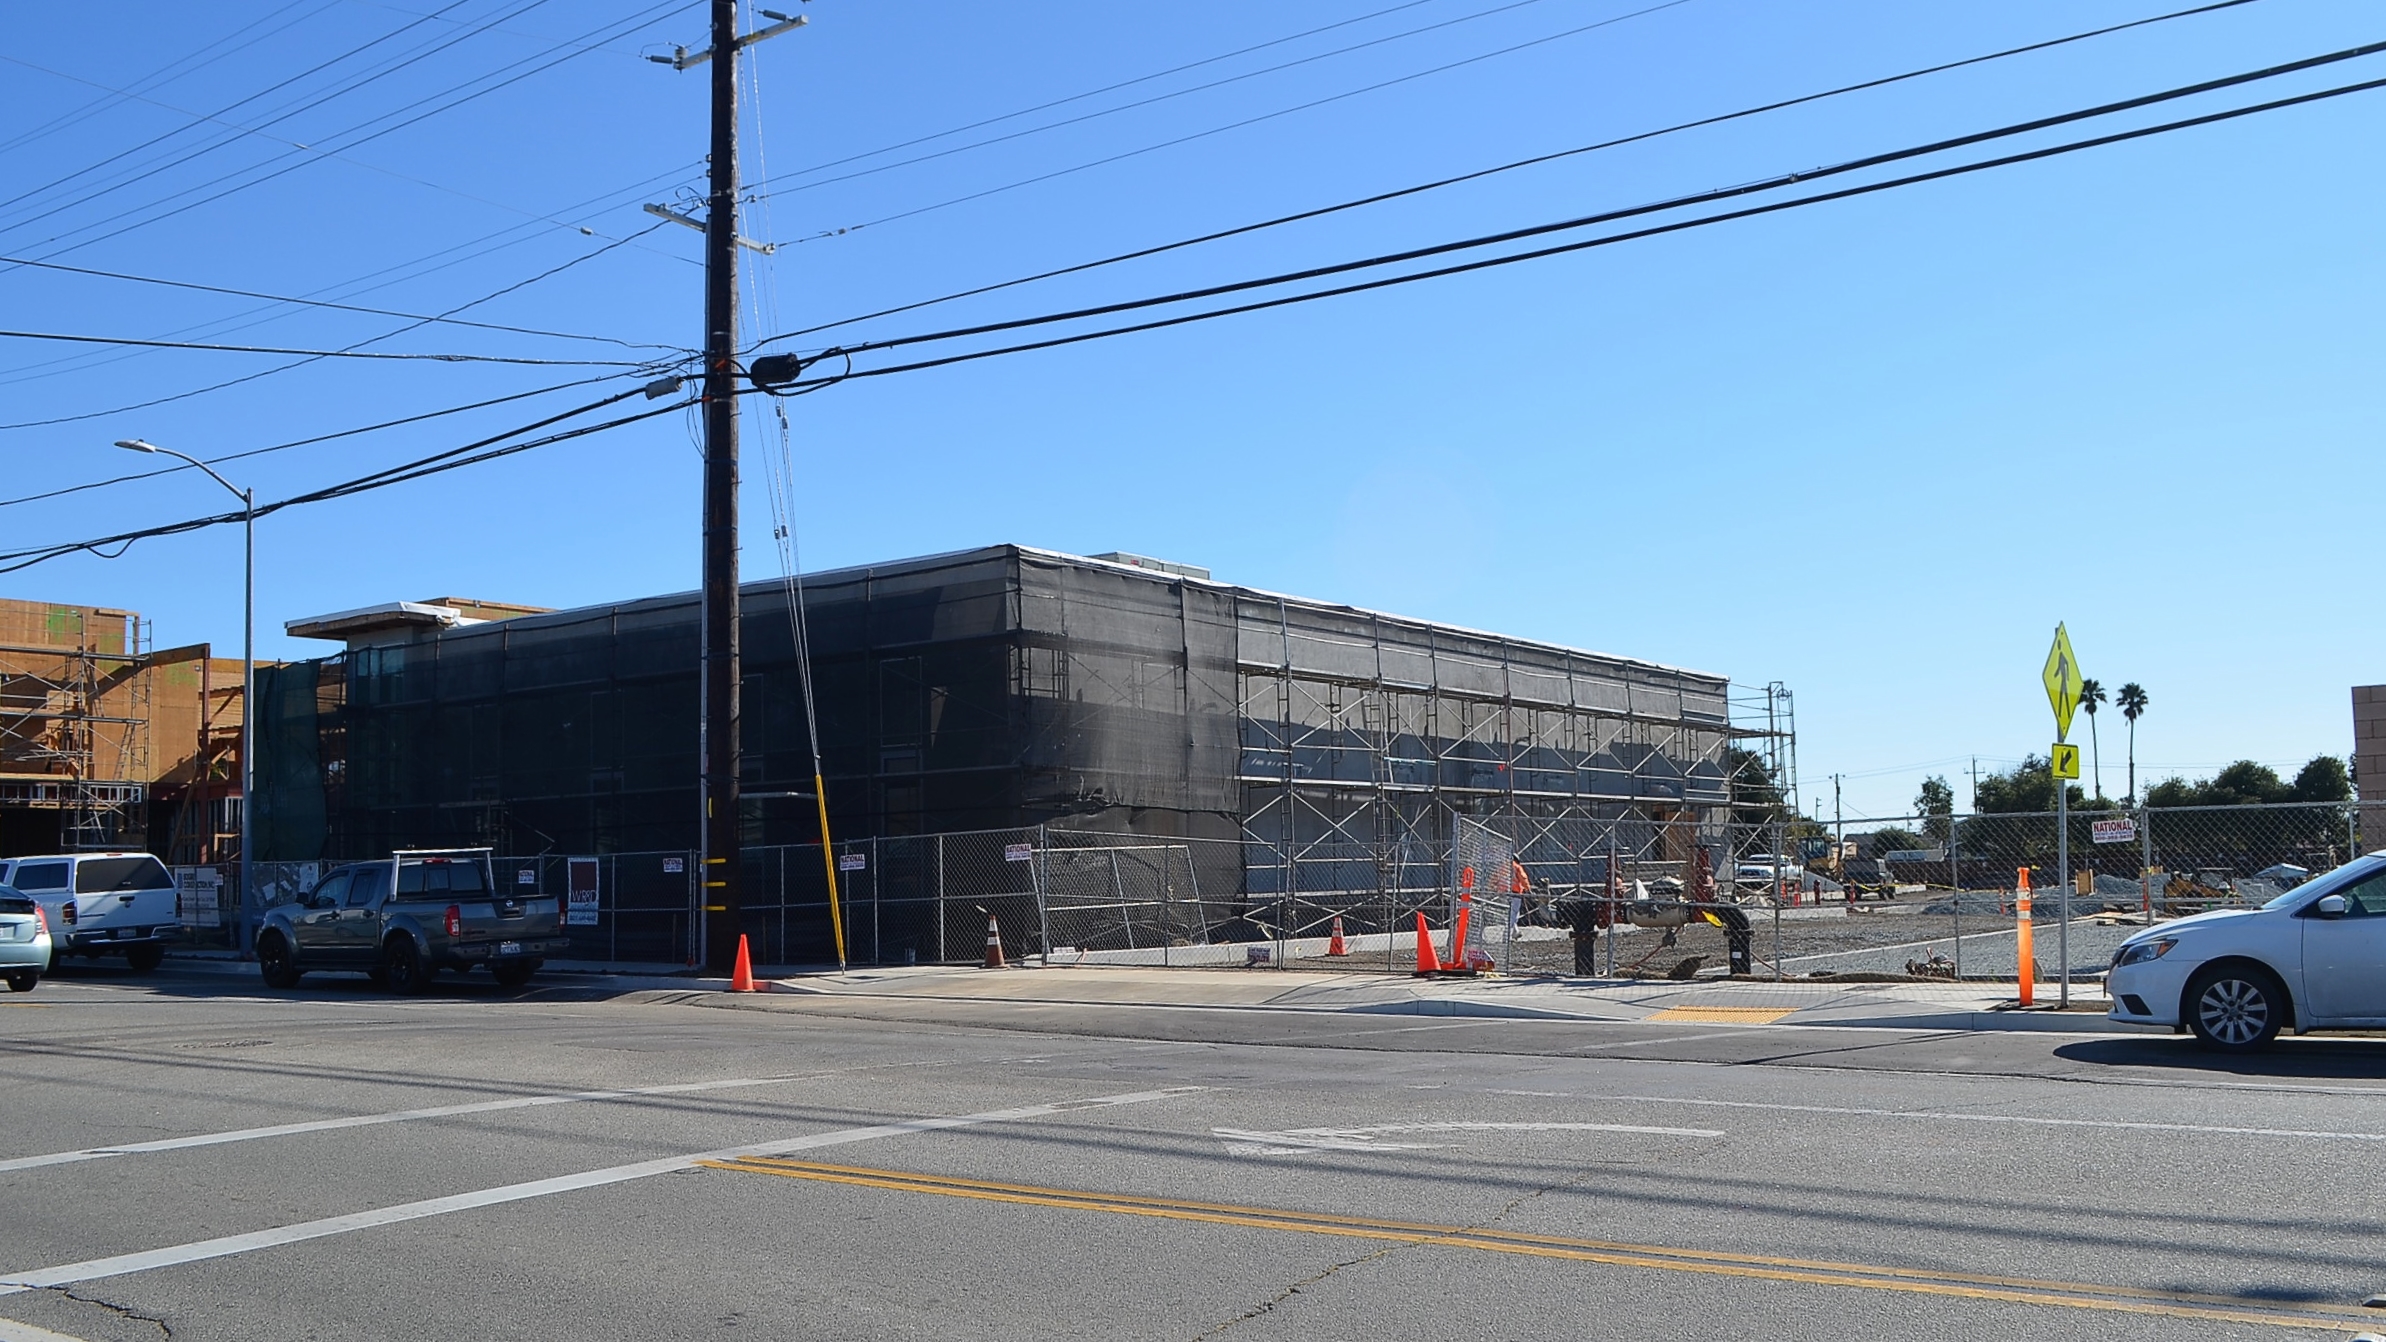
x,y
74,731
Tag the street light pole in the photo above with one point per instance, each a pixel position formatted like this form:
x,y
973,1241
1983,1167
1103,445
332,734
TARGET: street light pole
x,y
248,663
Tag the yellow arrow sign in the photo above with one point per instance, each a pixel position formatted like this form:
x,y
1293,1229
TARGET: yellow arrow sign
x,y
2066,761
2062,682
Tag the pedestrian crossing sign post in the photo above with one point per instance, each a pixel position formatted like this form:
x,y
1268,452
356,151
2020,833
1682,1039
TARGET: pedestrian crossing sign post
x,y
2066,760
2063,683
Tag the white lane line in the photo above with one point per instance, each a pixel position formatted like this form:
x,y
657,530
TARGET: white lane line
x,y
371,1120
69,1274
12,1331
2031,1120
1304,1141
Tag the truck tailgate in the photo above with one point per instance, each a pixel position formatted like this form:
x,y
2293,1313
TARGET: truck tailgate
x,y
504,919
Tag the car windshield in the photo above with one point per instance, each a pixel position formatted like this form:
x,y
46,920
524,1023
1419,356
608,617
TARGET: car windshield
x,y
2322,884
13,902
101,875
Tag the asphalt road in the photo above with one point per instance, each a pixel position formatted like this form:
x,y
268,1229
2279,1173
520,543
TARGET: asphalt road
x,y
187,1157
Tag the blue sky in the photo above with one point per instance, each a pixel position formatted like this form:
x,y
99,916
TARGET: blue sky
x,y
1873,449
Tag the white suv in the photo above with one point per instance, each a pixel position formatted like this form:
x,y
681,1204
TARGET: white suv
x,y
2314,958
102,903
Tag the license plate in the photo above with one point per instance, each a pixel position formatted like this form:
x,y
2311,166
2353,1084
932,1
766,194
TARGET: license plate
x,y
509,948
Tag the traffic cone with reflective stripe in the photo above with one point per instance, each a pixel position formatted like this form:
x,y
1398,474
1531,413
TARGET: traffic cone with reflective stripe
x,y
2025,955
1335,946
993,943
741,977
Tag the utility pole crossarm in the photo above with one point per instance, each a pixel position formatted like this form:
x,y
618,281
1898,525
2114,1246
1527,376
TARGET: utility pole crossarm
x,y
666,212
681,59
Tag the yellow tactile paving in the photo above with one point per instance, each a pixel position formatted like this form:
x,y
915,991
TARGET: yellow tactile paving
x,y
1714,1015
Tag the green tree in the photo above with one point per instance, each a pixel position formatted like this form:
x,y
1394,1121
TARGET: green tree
x,y
2091,693
2324,779
1935,803
1756,799
1895,839
2132,702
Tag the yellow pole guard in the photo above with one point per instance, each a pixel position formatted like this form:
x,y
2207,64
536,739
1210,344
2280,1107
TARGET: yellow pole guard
x,y
828,859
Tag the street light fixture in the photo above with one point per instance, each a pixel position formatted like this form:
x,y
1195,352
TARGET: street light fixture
x,y
248,663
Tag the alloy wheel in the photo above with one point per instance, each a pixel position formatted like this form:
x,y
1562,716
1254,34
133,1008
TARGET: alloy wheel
x,y
2234,1011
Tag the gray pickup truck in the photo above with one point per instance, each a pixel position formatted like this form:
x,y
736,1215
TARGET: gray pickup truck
x,y
403,919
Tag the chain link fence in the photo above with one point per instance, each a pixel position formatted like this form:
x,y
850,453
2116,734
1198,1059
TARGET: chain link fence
x,y
1622,897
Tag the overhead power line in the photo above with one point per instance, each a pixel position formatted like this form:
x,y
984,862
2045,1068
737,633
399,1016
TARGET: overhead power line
x,y
321,303
1106,88
347,350
571,52
1489,263
314,353
1678,202
440,187
451,459
216,117
766,185
89,485
402,272
1238,125
1322,211
189,63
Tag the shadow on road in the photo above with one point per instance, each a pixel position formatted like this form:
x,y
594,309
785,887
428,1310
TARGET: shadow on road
x,y
2307,1059
323,984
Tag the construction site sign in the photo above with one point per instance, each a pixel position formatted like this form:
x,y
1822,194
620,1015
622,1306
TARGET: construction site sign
x,y
580,905
2063,683
2066,760
2123,830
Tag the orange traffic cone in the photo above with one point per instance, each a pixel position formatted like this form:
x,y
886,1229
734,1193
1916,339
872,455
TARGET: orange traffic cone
x,y
1458,957
741,978
993,943
1427,962
1334,946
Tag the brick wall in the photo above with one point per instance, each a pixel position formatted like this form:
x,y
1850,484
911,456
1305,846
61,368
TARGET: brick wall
x,y
2369,761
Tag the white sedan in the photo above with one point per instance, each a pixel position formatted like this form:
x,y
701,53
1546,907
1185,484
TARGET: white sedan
x,y
2312,959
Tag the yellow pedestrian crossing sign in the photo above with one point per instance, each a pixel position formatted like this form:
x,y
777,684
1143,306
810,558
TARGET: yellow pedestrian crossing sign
x,y
2066,760
2062,684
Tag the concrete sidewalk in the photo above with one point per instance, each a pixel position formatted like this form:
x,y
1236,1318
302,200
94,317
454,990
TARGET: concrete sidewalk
x,y
1745,1002
1911,1006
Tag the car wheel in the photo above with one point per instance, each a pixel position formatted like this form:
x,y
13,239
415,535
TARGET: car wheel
x,y
2236,1009
23,981
274,963
142,959
514,973
402,967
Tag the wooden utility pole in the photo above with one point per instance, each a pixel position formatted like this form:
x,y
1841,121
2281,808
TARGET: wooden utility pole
x,y
722,669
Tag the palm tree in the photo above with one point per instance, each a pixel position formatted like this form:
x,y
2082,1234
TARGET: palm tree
x,y
2132,700
2091,693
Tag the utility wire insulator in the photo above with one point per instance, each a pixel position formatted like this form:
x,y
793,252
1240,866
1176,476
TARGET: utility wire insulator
x,y
681,59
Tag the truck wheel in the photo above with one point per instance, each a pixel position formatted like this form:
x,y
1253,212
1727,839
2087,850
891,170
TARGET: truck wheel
x,y
145,958
274,964
514,973
402,965
23,980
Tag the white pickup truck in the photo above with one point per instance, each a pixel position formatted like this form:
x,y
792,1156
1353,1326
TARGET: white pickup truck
x,y
101,903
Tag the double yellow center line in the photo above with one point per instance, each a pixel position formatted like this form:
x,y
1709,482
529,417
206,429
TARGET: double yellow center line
x,y
2016,1290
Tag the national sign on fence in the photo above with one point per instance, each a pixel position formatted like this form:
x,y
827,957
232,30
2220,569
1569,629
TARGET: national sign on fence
x,y
2123,830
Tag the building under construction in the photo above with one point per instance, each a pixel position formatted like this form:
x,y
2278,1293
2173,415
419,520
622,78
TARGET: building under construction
x,y
997,687
108,743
